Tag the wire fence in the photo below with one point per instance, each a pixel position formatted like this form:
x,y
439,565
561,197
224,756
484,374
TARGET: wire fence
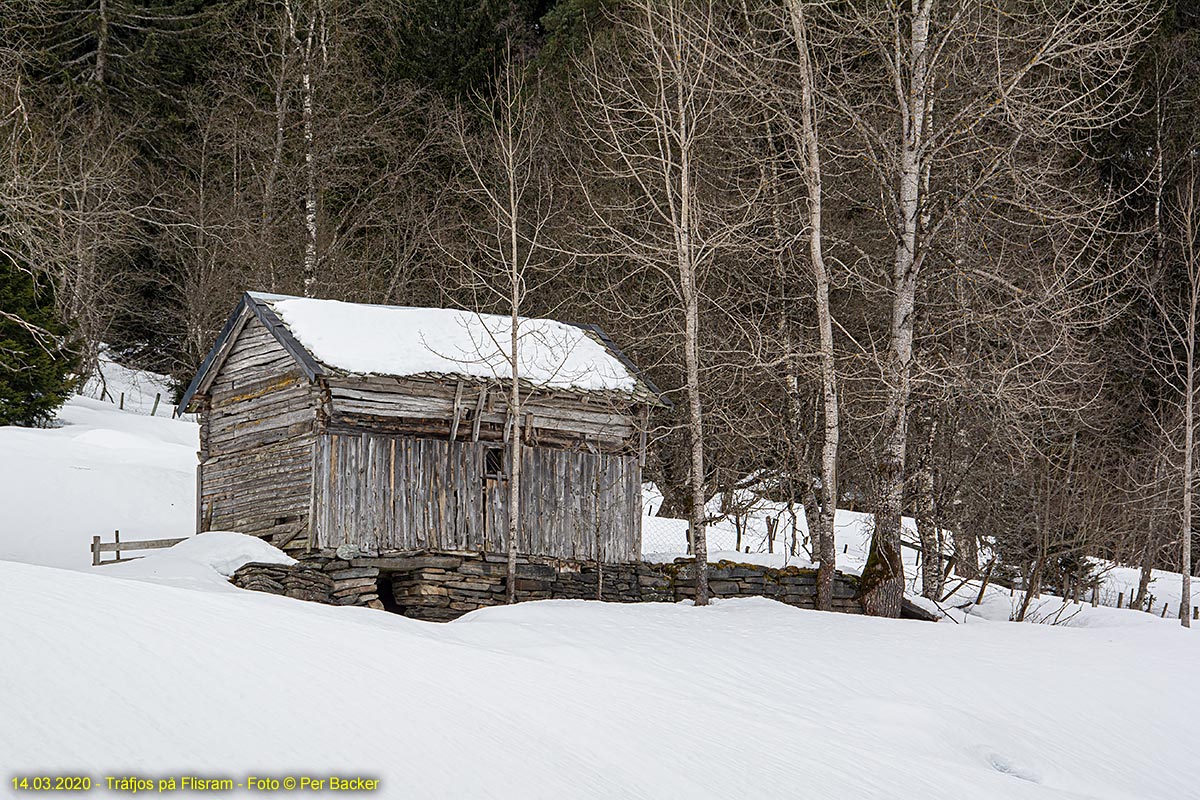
x,y
783,535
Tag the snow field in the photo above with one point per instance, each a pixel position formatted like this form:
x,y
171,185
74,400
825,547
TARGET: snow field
x,y
588,700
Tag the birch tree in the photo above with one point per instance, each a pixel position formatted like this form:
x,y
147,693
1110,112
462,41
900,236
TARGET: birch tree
x,y
1174,289
648,111
307,30
498,139
807,138
960,85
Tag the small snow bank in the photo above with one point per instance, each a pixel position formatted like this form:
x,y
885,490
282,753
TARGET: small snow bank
x,y
999,604
1119,584
205,561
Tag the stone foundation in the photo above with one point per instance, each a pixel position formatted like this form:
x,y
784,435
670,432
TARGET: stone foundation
x,y
319,579
301,582
442,586
445,586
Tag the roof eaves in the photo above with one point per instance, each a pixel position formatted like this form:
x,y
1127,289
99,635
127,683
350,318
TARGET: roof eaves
x,y
258,304
234,323
619,354
261,304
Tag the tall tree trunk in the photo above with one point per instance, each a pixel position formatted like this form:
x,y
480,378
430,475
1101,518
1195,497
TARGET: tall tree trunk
x,y
882,586
307,51
931,569
514,401
699,540
100,75
824,545
514,464
689,290
1189,400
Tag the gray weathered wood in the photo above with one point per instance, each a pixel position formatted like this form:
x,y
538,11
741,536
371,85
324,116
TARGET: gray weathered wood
x,y
436,498
478,414
380,463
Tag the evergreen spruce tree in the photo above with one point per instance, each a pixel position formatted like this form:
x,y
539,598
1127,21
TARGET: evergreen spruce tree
x,y
36,368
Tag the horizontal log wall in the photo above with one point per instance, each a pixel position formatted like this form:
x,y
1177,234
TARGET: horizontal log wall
x,y
384,493
255,472
428,407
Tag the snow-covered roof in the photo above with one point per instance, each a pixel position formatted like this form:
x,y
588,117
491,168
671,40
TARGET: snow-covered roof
x,y
334,337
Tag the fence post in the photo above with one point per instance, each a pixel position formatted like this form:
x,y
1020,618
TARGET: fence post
x,y
157,397
122,406
1164,613
117,539
1195,612
95,551
1120,598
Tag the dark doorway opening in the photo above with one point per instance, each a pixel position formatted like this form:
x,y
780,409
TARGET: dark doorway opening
x,y
386,595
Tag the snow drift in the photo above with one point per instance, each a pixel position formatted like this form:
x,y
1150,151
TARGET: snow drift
x,y
587,700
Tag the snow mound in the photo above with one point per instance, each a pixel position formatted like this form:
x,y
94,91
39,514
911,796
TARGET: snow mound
x,y
205,561
223,551
393,340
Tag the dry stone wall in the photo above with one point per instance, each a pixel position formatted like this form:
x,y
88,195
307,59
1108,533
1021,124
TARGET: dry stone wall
x,y
441,586
319,579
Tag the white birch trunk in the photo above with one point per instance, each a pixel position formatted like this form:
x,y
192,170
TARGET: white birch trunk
x,y
824,547
882,587
100,75
514,401
310,159
689,292
1189,404
687,282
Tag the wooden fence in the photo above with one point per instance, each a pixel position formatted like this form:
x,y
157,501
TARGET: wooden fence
x,y
117,546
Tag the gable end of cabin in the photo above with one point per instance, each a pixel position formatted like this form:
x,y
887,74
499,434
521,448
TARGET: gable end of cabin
x,y
258,423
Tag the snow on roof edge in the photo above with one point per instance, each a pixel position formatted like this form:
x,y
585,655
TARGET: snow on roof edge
x,y
637,385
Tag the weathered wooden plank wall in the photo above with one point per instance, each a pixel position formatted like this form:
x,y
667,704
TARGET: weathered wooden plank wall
x,y
427,407
402,493
257,440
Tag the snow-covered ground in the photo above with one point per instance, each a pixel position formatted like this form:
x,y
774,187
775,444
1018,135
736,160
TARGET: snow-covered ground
x,y
578,699
160,667
665,539
102,469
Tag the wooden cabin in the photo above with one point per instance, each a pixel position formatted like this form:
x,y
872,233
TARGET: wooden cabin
x,y
383,429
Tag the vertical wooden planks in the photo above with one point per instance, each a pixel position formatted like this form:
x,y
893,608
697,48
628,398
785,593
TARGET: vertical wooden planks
x,y
401,493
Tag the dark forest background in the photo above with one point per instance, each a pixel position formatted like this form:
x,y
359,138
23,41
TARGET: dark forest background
x,y
160,157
